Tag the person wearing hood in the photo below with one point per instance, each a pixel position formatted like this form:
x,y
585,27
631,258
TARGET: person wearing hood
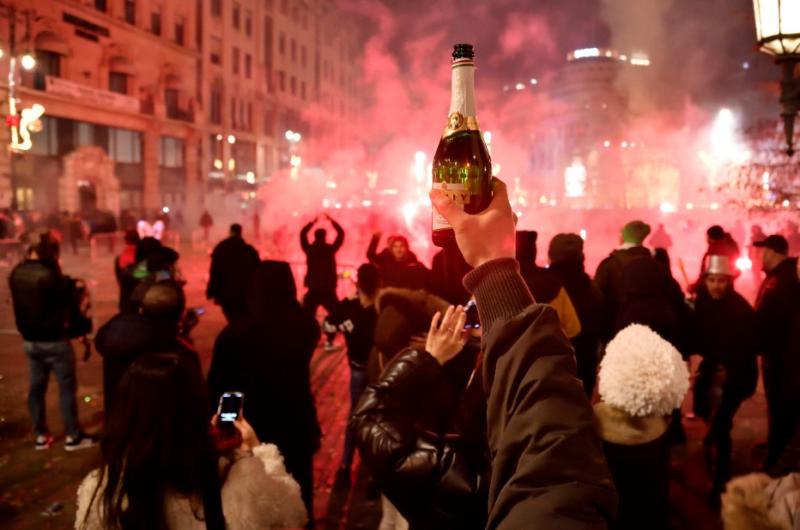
x,y
778,332
544,284
267,357
233,263
399,267
567,261
642,380
725,337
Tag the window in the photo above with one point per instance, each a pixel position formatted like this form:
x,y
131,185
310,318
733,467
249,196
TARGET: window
x,y
284,7
155,21
234,120
215,104
216,8
282,43
269,121
242,118
101,5
293,85
180,29
237,15
47,63
84,133
171,99
216,50
118,82
248,66
293,49
249,116
125,146
171,152
303,90
236,59
130,11
268,5
303,56
248,23
282,81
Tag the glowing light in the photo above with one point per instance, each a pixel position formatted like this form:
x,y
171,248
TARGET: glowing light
x,y
519,86
667,207
765,181
419,165
165,209
715,206
543,199
295,161
640,59
338,206
293,136
785,203
1,53
582,233
331,185
624,145
690,206
219,137
496,169
366,203
28,122
744,264
534,81
553,202
745,65
28,61
231,139
623,58
217,164
409,211
518,213
725,144
487,137
586,52
231,164
250,177
326,203
607,143
575,179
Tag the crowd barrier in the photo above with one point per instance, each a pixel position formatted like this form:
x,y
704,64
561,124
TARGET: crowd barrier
x,y
113,242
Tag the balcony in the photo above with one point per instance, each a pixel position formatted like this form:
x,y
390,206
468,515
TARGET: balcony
x,y
177,113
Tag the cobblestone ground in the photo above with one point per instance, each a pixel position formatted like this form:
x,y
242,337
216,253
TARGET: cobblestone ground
x,y
37,489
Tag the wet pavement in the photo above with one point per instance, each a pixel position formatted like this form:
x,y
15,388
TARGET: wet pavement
x,y
38,488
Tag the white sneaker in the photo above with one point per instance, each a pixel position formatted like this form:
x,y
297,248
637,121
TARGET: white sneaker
x,y
43,442
76,443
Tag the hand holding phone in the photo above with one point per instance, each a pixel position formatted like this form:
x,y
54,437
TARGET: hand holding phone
x,y
230,408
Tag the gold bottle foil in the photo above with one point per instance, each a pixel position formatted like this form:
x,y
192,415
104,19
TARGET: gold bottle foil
x,y
457,122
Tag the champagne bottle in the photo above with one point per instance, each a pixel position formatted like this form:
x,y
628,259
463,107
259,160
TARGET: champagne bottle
x,y
462,167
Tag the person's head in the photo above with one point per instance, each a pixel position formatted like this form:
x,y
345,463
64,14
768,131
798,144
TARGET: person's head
x,y
399,246
165,301
146,247
635,232
236,230
526,246
131,237
718,276
43,245
566,248
163,260
368,280
319,235
273,288
156,441
756,230
775,250
715,233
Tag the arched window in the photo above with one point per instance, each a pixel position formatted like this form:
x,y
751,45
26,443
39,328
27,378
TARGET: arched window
x,y
49,51
120,71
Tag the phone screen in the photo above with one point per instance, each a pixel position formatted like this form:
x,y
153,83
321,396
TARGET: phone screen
x,y
230,406
473,322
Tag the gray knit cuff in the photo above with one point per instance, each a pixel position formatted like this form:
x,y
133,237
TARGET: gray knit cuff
x,y
499,290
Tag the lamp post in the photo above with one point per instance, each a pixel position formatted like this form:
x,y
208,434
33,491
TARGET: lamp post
x,y
778,32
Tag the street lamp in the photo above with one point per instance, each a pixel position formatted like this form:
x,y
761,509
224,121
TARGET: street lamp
x,y
28,61
778,32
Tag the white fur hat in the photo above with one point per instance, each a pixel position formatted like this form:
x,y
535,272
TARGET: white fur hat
x,y
642,374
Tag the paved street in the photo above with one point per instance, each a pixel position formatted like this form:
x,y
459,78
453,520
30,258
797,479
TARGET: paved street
x,y
32,484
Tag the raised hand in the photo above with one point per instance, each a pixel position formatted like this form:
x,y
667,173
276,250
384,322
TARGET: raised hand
x,y
446,337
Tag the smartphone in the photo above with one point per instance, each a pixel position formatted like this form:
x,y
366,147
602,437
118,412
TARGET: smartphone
x,y
471,309
200,311
230,407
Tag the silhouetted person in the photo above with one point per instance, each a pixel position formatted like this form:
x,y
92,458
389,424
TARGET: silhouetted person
x,y
720,243
447,273
660,238
232,265
398,265
123,267
757,235
206,222
321,277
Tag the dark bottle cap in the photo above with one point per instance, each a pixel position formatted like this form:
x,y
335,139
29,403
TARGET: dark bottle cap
x,y
463,51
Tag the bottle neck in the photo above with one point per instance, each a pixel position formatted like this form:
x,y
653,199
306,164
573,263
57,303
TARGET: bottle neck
x,y
462,98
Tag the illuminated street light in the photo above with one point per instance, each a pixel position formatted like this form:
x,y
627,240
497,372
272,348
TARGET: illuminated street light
x,y
219,137
231,139
778,34
28,61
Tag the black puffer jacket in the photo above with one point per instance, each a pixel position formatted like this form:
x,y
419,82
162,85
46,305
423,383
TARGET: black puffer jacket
x,y
424,440
41,298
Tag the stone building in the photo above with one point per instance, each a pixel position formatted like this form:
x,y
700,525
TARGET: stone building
x,y
154,103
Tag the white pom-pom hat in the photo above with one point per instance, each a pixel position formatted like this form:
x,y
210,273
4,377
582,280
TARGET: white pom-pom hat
x,y
642,374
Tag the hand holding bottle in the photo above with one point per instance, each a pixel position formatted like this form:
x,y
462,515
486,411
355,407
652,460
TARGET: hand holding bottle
x,y
483,236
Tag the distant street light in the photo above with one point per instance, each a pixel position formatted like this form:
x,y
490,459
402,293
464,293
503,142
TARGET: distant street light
x,y
28,61
778,32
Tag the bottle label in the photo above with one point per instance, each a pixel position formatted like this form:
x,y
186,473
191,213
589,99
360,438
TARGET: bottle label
x,y
457,122
458,193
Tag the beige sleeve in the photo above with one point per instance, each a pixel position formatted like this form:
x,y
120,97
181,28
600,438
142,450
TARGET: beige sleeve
x,y
85,492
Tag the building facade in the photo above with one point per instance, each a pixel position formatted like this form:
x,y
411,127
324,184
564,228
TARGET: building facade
x,y
154,103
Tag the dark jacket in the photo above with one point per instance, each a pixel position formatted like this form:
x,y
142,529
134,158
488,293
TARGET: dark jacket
x,y
433,469
267,357
778,326
447,273
357,324
608,280
725,336
321,259
41,297
548,469
126,337
588,304
407,273
232,265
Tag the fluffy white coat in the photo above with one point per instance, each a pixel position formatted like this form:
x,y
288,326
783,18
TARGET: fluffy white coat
x,y
258,493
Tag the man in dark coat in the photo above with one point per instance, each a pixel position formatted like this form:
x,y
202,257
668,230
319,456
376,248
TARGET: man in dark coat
x,y
725,337
232,265
398,265
321,275
566,260
778,318
130,334
609,275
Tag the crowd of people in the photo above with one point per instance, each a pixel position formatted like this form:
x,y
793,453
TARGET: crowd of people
x,y
485,392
